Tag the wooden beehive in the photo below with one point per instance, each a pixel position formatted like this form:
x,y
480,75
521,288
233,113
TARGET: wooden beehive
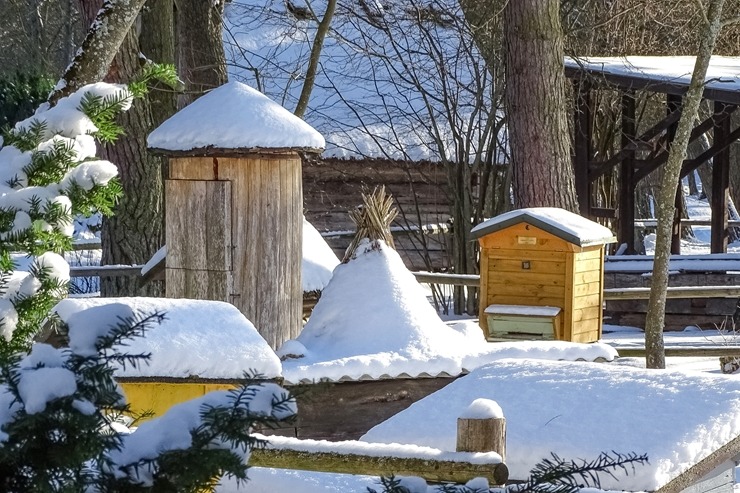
x,y
542,257
234,202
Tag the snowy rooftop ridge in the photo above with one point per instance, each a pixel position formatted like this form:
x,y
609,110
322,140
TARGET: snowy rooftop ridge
x,y
234,117
559,222
723,72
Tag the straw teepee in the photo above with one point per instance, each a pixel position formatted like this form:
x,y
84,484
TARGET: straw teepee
x,y
373,220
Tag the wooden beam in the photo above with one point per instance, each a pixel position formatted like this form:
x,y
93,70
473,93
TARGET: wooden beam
x,y
627,183
349,463
721,179
673,292
598,169
690,352
606,80
692,164
582,144
649,165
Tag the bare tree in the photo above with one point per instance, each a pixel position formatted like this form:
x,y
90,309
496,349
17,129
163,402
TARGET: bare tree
x,y
655,319
402,81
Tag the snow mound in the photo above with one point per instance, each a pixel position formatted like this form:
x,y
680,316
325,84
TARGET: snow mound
x,y
319,259
234,116
207,339
578,410
374,306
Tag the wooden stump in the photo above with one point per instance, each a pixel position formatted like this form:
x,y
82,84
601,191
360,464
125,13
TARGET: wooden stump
x,y
482,435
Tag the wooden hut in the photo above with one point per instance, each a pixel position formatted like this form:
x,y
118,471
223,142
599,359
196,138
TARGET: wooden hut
x,y
541,272
233,200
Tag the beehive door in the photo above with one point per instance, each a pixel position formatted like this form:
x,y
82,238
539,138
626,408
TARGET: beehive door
x,y
198,235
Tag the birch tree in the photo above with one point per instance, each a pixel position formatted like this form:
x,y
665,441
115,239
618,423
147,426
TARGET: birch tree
x,y
655,320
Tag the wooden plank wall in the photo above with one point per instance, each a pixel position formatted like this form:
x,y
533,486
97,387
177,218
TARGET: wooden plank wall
x,y
332,187
267,241
587,295
198,238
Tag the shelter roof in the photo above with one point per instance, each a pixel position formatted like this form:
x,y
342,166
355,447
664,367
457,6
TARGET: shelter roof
x,y
664,74
559,222
234,119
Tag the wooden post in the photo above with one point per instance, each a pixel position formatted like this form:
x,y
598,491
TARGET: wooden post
x,y
482,434
582,145
627,182
720,179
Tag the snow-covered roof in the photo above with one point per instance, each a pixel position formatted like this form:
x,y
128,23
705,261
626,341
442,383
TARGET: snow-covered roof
x,y
670,74
559,222
198,338
234,117
578,410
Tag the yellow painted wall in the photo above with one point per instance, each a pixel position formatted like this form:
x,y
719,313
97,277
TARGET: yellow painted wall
x,y
159,397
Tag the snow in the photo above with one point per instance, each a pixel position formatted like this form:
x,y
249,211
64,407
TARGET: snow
x,y
373,320
39,386
379,116
318,261
524,310
482,409
403,451
158,257
723,72
65,118
90,173
234,116
578,410
568,225
198,338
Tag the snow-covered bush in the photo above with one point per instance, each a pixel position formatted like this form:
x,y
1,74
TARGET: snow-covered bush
x,y
59,430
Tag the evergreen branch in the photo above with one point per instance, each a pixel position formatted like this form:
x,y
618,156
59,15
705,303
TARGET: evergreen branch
x,y
152,73
557,475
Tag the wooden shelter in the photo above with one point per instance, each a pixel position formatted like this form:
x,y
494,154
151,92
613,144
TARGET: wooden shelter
x,y
642,153
541,275
233,199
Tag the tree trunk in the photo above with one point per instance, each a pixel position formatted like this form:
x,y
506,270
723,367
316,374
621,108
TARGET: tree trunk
x,y
655,319
112,23
136,232
201,62
536,106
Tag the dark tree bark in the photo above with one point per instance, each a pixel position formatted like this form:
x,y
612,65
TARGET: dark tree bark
x,y
201,62
536,106
136,232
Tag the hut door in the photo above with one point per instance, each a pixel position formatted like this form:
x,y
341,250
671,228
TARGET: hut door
x,y
198,225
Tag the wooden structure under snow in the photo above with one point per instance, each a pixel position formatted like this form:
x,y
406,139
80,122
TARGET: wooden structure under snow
x,y
234,206
542,257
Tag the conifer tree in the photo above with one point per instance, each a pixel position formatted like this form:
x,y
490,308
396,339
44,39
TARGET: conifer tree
x,y
48,174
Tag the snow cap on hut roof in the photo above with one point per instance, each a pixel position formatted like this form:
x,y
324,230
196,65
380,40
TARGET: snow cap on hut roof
x,y
559,222
234,117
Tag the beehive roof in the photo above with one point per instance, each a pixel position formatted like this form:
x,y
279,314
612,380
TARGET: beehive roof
x,y
559,222
234,119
